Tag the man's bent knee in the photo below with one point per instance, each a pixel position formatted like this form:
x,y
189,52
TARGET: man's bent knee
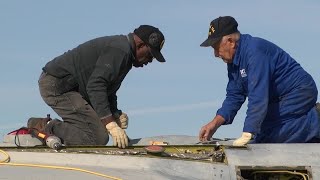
x,y
103,140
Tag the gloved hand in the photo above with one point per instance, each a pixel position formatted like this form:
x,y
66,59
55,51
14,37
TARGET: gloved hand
x,y
122,120
119,136
243,140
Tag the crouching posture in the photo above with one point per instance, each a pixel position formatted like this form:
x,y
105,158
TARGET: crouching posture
x,y
81,84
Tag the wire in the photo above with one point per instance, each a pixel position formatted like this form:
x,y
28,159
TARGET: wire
x,y
16,137
7,157
61,167
7,160
305,176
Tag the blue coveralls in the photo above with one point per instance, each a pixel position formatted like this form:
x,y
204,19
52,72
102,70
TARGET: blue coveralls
x,y
281,94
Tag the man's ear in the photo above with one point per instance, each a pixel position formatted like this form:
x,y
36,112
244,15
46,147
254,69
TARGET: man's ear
x,y
233,42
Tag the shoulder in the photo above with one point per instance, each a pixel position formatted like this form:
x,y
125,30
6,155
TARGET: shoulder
x,y
116,47
257,46
117,43
258,43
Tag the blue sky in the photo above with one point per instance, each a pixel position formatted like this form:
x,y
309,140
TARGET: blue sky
x,y
174,98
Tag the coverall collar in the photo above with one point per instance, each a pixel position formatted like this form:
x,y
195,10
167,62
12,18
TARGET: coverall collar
x,y
236,58
132,45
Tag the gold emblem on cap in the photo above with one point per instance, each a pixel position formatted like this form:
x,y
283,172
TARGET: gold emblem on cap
x,y
161,45
211,30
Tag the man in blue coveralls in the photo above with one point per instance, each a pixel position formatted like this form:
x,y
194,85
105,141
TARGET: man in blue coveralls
x,y
281,94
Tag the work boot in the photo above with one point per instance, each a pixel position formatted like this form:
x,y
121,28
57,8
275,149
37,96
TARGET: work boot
x,y
38,123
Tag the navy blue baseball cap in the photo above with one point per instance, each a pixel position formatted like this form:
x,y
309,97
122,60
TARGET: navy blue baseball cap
x,y
219,27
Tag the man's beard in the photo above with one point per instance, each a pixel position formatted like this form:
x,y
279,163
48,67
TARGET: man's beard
x,y
137,65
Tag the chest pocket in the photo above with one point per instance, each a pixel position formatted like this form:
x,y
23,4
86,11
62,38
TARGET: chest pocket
x,y
242,80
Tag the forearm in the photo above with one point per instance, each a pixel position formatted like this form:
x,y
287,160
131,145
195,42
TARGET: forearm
x,y
113,103
234,99
218,121
98,95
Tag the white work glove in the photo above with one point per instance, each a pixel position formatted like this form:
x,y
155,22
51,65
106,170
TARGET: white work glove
x,y
119,136
243,140
122,120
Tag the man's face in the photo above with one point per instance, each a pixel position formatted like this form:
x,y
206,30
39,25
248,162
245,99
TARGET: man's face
x,y
224,49
143,56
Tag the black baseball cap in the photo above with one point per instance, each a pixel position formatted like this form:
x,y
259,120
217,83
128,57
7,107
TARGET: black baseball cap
x,y
219,27
154,38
